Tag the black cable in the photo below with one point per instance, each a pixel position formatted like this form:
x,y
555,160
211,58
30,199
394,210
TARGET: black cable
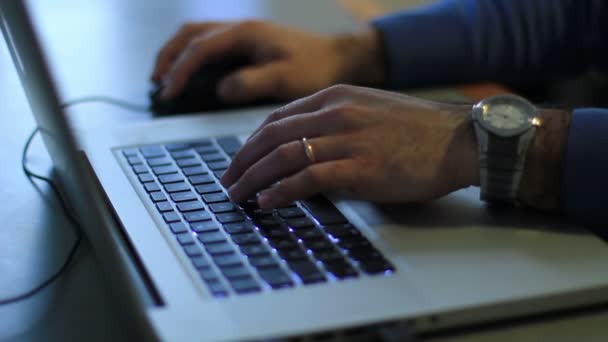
x,y
77,226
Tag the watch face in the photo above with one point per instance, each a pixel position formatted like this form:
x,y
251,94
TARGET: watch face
x,y
505,115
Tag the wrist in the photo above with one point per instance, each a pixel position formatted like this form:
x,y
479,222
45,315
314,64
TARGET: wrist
x,y
540,185
363,60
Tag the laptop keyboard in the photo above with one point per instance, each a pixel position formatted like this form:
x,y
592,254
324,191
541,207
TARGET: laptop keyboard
x,y
241,248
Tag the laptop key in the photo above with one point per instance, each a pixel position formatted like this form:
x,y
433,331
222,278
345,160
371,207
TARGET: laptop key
x,y
193,250
201,179
208,274
139,169
145,177
256,249
219,248
244,285
217,289
323,210
342,230
130,152
134,160
206,149
171,217
211,237
202,142
329,255
341,269
184,154
263,261
212,157
215,197
178,227
284,243
205,226
152,162
183,196
188,162
275,277
319,244
164,170
200,262
299,223
177,146
151,186
238,228
195,170
360,254
195,216
231,217
224,260
356,242
219,165
232,272
230,144
190,206
171,178
309,234
288,213
158,196
222,207
307,271
268,222
185,239
152,151
164,206
245,239
177,187
293,254
376,266
208,188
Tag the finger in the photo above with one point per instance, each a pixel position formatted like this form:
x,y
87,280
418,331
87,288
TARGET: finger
x,y
284,161
292,128
323,177
176,44
199,51
307,104
255,82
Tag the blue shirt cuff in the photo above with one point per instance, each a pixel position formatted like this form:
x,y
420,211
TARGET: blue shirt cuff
x,y
585,175
426,46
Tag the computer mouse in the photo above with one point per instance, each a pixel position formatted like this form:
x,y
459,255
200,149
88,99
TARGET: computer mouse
x,y
200,92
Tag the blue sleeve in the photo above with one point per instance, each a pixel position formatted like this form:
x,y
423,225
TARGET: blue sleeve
x,y
585,171
510,41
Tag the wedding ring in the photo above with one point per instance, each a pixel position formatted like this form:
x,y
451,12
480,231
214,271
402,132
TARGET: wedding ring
x,y
309,150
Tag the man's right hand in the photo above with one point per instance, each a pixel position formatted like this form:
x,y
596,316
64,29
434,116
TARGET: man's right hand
x,y
286,63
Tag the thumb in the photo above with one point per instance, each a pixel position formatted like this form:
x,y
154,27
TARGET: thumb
x,y
254,82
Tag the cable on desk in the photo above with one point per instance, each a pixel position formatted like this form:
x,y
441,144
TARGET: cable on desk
x,y
77,226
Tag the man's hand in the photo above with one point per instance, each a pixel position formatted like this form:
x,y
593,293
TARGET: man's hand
x,y
368,144
286,63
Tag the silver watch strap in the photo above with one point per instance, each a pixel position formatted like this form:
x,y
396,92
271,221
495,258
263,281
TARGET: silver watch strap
x,y
502,165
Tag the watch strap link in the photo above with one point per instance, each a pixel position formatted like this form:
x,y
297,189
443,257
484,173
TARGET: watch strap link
x,y
501,166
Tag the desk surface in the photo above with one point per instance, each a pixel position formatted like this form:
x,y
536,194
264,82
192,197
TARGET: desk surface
x,y
107,47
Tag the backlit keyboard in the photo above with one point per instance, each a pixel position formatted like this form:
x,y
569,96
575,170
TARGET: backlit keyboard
x,y
240,248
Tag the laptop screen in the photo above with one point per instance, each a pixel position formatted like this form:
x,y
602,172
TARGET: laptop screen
x,y
39,88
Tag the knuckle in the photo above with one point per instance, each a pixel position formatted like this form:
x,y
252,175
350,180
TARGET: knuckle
x,y
338,89
249,24
269,132
312,176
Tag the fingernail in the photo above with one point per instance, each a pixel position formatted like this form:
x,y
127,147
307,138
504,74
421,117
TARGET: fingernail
x,y
165,94
265,200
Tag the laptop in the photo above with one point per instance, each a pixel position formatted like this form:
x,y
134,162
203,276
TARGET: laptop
x,y
188,264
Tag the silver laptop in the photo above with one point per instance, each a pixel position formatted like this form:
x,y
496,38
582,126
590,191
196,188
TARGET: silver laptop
x,y
187,264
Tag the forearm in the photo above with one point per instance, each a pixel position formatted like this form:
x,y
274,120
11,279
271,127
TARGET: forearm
x,y
512,41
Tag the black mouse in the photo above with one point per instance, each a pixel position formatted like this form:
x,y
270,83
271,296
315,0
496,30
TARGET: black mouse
x,y
200,93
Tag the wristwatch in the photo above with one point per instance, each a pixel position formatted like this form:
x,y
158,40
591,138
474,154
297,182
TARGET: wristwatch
x,y
504,126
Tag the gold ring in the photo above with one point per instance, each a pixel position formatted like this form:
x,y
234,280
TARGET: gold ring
x,y
309,150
